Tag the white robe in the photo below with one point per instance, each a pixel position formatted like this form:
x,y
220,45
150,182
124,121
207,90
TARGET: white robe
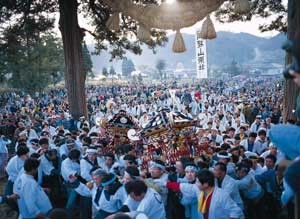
x,y
13,168
221,206
69,167
33,199
151,205
231,187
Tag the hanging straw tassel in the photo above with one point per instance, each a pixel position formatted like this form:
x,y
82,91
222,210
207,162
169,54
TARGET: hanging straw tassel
x,y
242,6
208,30
113,22
178,45
143,34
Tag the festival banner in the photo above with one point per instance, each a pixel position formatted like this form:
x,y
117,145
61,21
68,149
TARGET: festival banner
x,y
201,57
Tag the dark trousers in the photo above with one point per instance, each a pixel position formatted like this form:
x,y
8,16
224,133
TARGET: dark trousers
x,y
102,214
9,191
256,209
85,207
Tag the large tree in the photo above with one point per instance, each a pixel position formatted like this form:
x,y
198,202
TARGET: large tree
x,y
16,15
291,90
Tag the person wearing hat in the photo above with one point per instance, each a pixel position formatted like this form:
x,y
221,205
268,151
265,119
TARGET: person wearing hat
x,y
225,157
227,183
256,125
88,163
251,191
33,201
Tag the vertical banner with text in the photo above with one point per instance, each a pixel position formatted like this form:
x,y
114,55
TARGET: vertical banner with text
x,y
201,57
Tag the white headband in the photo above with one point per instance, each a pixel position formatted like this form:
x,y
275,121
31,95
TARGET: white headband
x,y
224,156
190,168
154,164
89,150
133,177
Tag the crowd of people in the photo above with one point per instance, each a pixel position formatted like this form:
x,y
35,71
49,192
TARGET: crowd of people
x,y
59,167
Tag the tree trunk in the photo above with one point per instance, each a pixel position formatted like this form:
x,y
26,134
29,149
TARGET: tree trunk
x,y
291,91
72,36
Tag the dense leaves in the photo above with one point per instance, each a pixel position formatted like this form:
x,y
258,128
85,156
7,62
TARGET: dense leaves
x,y
31,64
273,9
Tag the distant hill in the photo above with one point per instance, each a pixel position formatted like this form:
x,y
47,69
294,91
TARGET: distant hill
x,y
241,47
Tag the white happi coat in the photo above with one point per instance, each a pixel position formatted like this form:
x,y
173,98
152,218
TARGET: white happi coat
x,y
152,205
33,199
221,206
13,168
231,187
85,191
69,167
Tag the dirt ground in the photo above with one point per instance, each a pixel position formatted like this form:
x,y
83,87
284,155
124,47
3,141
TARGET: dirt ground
x,y
5,211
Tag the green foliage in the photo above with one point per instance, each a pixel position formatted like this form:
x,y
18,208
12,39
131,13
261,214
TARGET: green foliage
x,y
87,61
127,67
33,62
112,71
160,66
274,9
104,72
118,41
